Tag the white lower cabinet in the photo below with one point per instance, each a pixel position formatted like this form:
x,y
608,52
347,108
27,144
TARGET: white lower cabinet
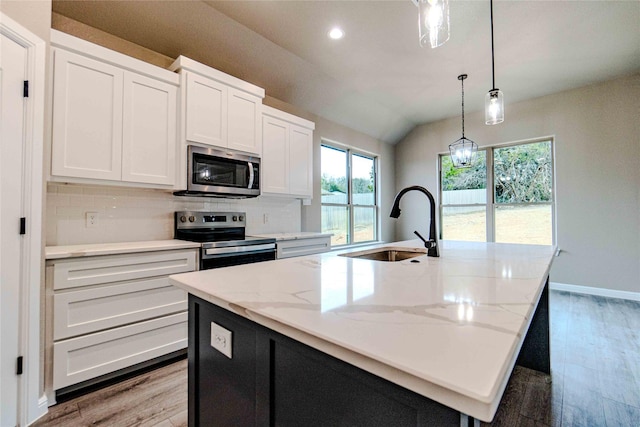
x,y
89,356
302,246
103,307
114,311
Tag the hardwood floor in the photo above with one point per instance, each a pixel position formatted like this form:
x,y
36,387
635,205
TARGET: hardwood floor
x,y
595,368
595,345
155,398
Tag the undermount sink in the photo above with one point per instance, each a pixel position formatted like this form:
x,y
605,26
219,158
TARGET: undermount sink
x,y
388,254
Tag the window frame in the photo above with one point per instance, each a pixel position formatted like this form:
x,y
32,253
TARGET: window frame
x,y
491,205
350,205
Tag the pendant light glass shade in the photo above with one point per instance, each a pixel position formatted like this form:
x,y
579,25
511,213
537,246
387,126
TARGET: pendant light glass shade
x,y
494,100
464,151
433,22
494,107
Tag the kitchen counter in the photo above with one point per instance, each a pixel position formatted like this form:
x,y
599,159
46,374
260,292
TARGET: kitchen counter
x,y
294,236
449,328
93,249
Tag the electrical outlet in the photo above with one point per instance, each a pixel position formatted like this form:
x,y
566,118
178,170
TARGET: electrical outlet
x,y
265,218
91,219
221,339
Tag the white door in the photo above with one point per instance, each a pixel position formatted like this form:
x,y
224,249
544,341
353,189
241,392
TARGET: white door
x,y
149,130
12,74
206,113
301,161
87,118
244,112
275,156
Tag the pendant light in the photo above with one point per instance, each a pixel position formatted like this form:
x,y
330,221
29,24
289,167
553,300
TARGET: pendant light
x,y
494,100
463,151
433,22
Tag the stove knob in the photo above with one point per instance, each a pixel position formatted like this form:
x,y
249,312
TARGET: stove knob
x,y
192,218
235,218
241,218
183,218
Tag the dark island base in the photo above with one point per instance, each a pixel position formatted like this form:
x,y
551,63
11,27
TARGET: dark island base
x,y
273,380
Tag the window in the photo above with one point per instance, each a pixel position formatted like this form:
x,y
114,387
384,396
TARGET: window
x,y
463,200
349,209
509,202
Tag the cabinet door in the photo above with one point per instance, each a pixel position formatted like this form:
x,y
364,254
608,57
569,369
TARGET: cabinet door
x,y
275,157
90,356
206,113
87,118
96,308
300,161
149,135
244,112
302,247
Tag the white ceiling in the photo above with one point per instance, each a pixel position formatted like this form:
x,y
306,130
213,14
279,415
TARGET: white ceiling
x,y
377,79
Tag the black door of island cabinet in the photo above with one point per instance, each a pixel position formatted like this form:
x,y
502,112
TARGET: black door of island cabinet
x,y
272,380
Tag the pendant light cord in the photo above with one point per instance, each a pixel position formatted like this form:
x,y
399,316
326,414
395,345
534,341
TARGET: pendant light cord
x,y
462,80
493,65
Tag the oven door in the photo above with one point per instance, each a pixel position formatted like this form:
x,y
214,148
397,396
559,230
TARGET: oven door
x,y
223,172
236,255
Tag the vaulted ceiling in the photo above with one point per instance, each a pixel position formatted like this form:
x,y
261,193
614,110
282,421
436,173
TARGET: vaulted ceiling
x,y
377,79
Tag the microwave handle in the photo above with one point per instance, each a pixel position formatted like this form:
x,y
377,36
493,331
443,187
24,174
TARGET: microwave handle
x,y
251,175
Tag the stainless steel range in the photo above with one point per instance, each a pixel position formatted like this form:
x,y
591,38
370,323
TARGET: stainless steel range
x,y
223,238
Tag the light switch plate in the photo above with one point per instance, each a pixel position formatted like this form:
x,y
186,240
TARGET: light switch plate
x,y
221,339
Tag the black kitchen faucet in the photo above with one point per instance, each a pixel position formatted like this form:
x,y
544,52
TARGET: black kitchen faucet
x,y
432,243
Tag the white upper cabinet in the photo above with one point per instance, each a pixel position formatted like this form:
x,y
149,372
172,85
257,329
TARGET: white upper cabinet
x,y
206,110
287,162
218,109
275,161
149,130
300,161
114,117
87,118
243,118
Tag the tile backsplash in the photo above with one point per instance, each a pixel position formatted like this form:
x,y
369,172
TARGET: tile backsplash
x,y
134,214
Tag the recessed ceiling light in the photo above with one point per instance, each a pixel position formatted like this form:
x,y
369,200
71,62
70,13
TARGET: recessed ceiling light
x,y
336,33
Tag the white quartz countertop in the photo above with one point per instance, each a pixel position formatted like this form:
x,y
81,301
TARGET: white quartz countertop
x,y
73,251
294,236
448,328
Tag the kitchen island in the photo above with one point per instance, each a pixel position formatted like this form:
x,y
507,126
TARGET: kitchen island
x,y
331,340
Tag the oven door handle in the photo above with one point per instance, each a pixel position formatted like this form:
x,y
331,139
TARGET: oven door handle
x,y
238,250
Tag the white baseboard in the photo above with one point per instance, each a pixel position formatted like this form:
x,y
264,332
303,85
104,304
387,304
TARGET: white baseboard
x,y
589,290
42,409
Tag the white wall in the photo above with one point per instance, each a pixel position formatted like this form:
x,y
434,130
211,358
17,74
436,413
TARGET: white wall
x,y
34,15
597,160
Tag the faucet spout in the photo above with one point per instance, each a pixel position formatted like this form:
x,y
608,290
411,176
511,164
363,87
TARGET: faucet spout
x,y
432,243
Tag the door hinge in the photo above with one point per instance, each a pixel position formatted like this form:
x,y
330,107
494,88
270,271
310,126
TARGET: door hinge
x,y
25,89
19,366
23,225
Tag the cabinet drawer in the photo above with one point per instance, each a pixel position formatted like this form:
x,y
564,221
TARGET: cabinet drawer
x,y
83,358
89,310
300,247
116,268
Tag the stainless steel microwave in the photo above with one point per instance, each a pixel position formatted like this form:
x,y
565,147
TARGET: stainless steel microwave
x,y
221,173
